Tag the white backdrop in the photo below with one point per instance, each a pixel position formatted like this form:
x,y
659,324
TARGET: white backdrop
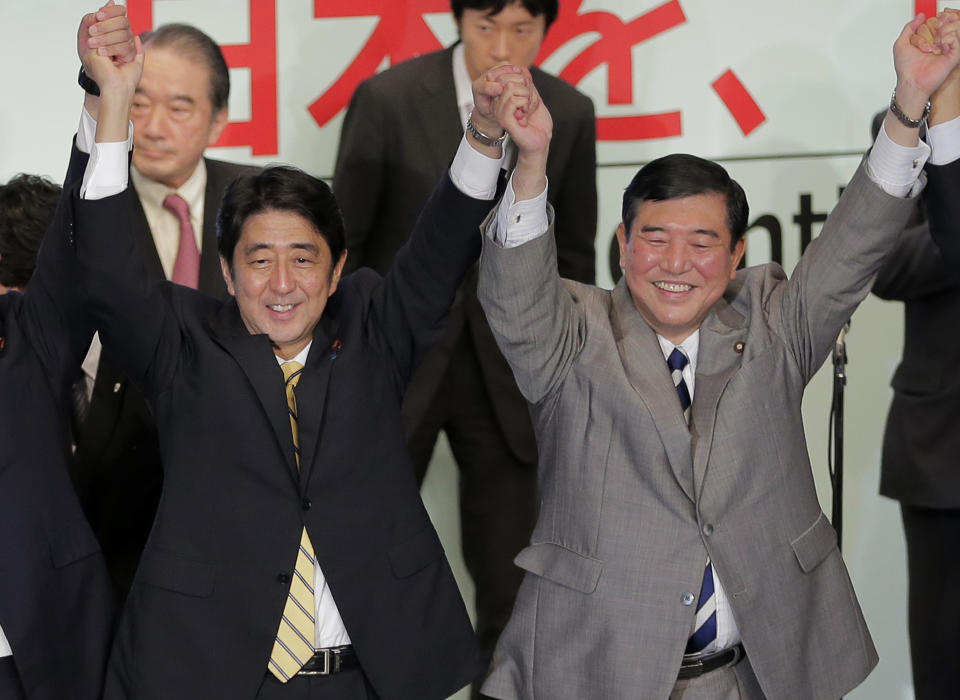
x,y
790,122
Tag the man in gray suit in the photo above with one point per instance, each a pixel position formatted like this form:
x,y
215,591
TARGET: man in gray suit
x,y
680,548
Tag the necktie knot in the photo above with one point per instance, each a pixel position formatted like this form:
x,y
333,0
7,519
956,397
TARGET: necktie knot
x,y
677,360
291,372
178,206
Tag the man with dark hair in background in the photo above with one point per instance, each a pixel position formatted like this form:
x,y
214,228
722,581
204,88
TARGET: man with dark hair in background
x,y
397,137
27,203
180,109
56,606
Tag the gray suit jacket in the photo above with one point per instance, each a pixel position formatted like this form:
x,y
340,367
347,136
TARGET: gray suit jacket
x,y
633,502
399,135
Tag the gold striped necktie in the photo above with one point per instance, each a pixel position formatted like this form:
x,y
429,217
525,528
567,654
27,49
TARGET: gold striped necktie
x,y
294,642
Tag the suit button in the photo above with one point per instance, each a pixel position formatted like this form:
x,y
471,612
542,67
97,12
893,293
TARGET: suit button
x,y
283,578
708,529
688,598
306,504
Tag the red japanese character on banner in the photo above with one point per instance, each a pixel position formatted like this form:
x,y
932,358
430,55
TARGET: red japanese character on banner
x,y
401,33
613,49
260,56
927,7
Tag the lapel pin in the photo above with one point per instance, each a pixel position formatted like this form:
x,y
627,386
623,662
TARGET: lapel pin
x,y
3,341
335,348
738,347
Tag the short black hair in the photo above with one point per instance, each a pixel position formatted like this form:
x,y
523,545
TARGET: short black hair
x,y
190,41
547,8
682,175
279,188
27,204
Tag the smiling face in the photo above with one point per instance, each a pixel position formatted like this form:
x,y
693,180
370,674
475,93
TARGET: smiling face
x,y
282,276
512,35
173,116
678,261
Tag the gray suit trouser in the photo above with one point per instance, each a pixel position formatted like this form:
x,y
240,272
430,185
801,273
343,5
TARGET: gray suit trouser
x,y
729,683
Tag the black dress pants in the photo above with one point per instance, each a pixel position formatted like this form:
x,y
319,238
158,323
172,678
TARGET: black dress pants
x,y
933,567
498,492
10,686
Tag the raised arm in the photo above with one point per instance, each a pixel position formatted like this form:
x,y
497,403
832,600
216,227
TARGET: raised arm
x,y
130,318
535,321
943,179
836,271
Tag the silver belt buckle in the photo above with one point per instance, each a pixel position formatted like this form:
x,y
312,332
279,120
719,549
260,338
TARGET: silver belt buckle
x,y
331,664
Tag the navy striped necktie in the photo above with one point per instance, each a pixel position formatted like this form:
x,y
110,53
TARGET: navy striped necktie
x,y
705,624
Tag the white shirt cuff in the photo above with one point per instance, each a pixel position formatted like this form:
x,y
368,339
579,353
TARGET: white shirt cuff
x,y
520,222
896,168
473,173
108,170
944,140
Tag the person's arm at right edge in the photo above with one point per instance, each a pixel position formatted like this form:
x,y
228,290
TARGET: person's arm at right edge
x,y
942,195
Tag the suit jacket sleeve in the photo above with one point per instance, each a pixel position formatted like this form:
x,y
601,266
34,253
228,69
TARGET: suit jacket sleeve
x,y
60,330
576,203
943,210
359,172
131,317
837,270
537,322
420,286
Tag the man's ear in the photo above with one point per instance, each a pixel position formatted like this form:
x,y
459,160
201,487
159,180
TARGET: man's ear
x,y
227,275
337,272
622,242
219,123
738,250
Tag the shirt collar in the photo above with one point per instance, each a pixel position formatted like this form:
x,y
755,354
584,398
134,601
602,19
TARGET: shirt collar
x,y
462,84
690,347
192,190
300,357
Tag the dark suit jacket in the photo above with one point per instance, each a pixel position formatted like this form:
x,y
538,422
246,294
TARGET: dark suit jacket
x,y
921,440
56,608
400,132
203,611
118,472
943,183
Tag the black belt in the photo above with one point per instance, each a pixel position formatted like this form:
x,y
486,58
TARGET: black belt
x,y
325,662
697,664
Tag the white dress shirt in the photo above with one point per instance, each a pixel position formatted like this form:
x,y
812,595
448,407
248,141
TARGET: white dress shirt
x,y
728,634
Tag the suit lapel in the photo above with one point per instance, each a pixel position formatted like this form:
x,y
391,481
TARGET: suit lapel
x,y
312,393
647,372
145,244
437,110
256,358
211,278
721,349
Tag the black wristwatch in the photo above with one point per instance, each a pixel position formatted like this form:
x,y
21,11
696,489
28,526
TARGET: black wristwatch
x,y
88,83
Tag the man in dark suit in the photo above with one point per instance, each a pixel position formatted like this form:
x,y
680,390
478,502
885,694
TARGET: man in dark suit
x,y
180,109
291,554
921,440
397,135
56,607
